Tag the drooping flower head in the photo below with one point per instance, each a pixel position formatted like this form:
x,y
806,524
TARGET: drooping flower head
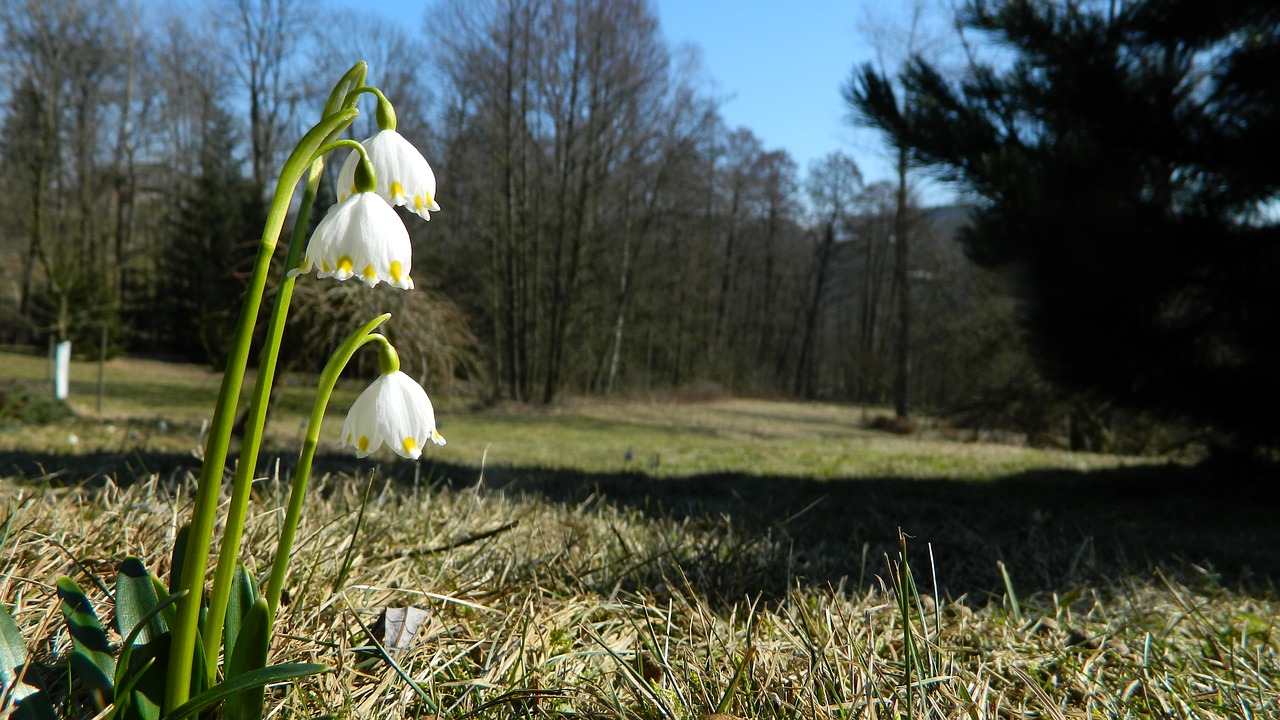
x,y
393,409
404,177
360,237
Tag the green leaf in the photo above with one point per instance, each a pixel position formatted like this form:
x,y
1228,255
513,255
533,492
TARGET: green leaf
x,y
13,652
170,614
135,599
176,562
144,665
141,616
244,592
29,702
256,678
131,640
248,656
178,557
91,657
199,678
140,677
124,692
142,670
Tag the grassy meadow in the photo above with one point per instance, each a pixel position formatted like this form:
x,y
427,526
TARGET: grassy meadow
x,y
710,560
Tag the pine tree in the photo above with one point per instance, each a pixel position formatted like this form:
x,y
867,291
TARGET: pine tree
x,y
1122,167
219,217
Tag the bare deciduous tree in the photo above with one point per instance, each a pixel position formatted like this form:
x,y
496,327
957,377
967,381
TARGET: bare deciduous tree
x,y
262,41
834,184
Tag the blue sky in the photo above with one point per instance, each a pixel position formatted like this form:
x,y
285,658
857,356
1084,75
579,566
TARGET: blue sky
x,y
782,66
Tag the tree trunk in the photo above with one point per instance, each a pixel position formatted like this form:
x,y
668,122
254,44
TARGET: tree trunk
x,y
901,280
803,384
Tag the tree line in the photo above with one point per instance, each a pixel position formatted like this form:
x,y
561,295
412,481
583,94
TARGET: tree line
x,y
603,229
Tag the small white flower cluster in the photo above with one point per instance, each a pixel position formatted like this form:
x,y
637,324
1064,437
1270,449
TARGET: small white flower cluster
x,y
363,237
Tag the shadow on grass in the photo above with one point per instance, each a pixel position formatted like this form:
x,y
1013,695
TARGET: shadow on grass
x,y
1052,530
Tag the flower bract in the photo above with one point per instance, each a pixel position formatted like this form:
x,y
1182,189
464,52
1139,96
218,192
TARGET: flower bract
x,y
393,409
361,237
404,177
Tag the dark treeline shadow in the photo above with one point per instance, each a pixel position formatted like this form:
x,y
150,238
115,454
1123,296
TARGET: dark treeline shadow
x,y
1052,530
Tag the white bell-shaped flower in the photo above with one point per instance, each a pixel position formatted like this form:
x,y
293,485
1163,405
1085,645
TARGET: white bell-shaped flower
x,y
404,177
361,237
393,409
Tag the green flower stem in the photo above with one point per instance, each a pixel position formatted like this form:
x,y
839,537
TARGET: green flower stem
x,y
229,552
366,180
344,142
386,113
185,628
328,379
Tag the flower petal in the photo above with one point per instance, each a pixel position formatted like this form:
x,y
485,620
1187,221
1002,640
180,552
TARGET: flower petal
x,y
360,430
396,410
404,176
363,237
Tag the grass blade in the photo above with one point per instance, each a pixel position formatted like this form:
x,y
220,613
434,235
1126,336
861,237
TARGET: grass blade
x,y
258,678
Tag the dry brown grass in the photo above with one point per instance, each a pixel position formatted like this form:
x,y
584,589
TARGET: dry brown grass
x,y
594,607
717,559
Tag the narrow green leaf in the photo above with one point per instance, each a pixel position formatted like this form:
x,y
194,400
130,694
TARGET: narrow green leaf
x,y
91,657
249,655
13,652
29,702
165,620
124,692
258,678
135,599
140,678
244,592
143,666
170,613
178,557
131,640
144,675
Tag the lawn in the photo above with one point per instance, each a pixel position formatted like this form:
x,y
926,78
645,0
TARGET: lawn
x,y
660,439
740,436
728,559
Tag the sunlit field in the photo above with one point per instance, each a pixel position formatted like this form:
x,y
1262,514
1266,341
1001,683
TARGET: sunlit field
x,y
722,559
156,406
